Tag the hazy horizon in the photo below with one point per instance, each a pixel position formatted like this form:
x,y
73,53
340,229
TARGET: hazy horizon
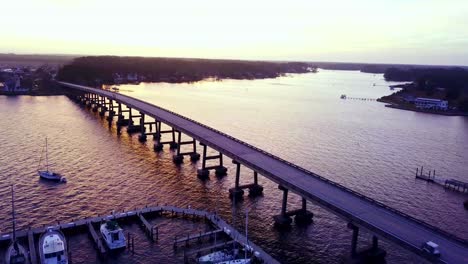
x,y
362,31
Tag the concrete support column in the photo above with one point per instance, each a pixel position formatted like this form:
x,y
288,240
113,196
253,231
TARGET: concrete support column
x,y
142,136
354,239
236,191
285,200
283,220
220,170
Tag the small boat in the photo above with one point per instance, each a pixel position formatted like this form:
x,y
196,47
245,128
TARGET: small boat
x,y
15,254
343,96
215,257
115,89
113,235
235,261
53,248
47,174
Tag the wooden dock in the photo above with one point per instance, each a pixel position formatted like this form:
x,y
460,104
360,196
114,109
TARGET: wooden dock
x,y
198,237
32,248
451,184
88,223
149,229
97,240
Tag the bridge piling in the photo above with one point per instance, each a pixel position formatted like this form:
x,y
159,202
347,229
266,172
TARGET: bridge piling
x,y
373,254
142,136
204,171
254,189
283,220
303,216
236,192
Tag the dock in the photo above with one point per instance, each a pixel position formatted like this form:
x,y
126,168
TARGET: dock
x,y
149,229
452,184
97,240
32,248
197,237
220,225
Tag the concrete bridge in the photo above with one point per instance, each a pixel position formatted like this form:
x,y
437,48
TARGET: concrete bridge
x,y
358,210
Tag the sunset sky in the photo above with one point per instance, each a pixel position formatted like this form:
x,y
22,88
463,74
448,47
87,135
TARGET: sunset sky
x,y
393,31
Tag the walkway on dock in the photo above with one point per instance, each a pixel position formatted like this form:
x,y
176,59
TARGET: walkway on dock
x,y
350,205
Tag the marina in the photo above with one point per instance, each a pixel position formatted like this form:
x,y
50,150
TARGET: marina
x,y
221,227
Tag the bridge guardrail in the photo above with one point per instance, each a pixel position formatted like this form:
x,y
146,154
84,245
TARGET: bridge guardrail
x,y
342,187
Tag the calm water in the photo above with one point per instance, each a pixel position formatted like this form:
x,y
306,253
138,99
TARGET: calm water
x,y
361,144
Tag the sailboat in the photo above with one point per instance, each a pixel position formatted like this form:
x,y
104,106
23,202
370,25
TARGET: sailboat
x,y
49,175
244,260
15,254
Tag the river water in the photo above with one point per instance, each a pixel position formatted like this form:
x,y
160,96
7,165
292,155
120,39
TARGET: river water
x,y
360,144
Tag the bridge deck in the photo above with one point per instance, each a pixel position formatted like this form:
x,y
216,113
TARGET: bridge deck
x,y
362,211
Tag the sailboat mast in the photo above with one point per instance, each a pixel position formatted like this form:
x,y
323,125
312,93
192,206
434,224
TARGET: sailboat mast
x,y
246,233
13,211
47,155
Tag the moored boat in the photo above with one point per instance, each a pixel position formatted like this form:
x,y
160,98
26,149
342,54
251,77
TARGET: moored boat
x,y
47,174
53,247
15,254
215,257
113,235
235,261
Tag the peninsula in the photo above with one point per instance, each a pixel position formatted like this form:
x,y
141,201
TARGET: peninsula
x,y
432,90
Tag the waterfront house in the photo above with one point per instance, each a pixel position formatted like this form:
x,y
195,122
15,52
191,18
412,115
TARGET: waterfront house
x,y
428,103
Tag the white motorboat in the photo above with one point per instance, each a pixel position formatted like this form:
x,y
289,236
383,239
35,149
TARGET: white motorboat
x,y
215,257
113,235
15,254
47,174
235,261
53,248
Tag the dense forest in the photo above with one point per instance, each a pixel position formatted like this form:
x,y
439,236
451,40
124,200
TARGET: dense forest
x,y
453,82
96,70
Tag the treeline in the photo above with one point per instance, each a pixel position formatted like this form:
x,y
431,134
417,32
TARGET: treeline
x,y
452,81
95,70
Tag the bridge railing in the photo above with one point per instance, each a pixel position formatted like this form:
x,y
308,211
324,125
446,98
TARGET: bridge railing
x,y
342,187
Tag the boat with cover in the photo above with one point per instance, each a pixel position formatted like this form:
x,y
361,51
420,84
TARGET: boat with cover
x,y
215,257
47,174
235,261
113,235
15,254
53,247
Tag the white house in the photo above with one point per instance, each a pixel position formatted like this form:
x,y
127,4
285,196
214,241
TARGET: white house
x,y
428,103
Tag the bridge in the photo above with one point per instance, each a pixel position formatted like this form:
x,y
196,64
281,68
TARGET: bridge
x,y
358,210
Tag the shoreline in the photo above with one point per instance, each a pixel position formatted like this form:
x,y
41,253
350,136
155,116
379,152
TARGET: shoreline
x,y
413,109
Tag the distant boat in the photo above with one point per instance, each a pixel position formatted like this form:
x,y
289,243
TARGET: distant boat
x,y
343,96
15,254
113,235
53,248
115,88
47,174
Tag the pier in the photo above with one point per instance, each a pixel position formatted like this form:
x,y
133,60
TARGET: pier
x,y
87,223
451,184
353,207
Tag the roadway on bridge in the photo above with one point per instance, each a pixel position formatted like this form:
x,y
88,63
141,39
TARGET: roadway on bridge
x,y
360,210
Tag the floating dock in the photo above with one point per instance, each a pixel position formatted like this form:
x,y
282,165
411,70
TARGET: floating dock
x,y
88,223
